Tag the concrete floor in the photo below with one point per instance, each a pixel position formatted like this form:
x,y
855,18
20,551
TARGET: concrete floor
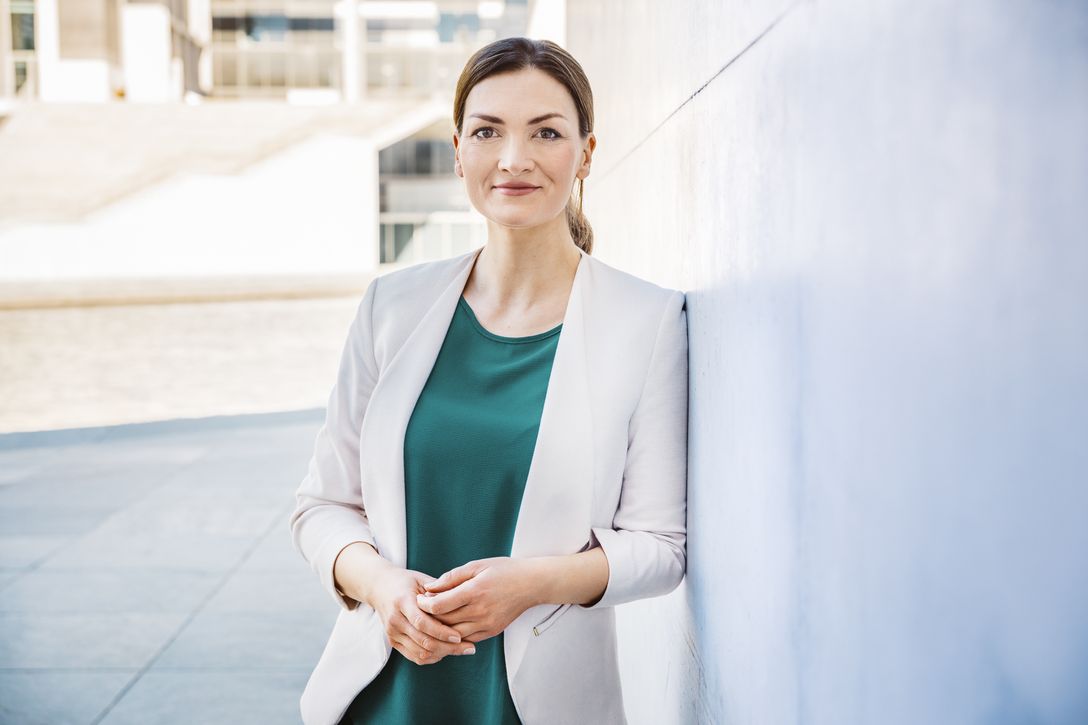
x,y
147,573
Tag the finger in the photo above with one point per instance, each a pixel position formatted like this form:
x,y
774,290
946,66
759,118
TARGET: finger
x,y
432,626
427,642
451,578
446,601
461,614
472,632
412,651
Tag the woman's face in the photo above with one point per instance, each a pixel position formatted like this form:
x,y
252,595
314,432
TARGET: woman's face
x,y
521,127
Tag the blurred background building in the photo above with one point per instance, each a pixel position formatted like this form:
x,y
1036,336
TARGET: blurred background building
x,y
304,141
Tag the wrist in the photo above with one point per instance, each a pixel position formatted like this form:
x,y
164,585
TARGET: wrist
x,y
356,567
540,576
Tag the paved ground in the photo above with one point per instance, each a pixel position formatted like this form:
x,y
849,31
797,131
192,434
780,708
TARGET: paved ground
x,y
147,573
99,365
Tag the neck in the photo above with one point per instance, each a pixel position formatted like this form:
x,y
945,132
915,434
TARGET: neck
x,y
519,267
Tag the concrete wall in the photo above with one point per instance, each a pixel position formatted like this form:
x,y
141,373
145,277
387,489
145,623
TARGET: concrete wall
x,y
878,211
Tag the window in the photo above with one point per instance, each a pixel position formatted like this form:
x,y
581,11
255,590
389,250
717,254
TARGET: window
x,y
22,27
266,27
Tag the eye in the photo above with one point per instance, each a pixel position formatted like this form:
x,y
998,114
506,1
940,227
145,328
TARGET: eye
x,y
482,128
551,130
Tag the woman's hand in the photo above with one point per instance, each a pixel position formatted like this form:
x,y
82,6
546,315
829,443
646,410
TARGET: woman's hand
x,y
481,598
366,576
417,635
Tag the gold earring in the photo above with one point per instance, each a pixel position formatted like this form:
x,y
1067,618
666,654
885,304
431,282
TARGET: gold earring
x,y
581,183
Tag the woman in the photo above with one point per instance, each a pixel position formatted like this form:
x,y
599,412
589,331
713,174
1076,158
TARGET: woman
x,y
504,456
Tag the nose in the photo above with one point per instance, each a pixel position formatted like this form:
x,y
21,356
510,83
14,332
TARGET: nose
x,y
516,157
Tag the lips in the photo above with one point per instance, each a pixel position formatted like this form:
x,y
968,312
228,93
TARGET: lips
x,y
515,189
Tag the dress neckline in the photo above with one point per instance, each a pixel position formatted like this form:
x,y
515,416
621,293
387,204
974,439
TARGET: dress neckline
x,y
463,303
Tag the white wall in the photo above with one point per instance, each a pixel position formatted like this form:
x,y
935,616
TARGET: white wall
x,y
878,213
150,74
67,80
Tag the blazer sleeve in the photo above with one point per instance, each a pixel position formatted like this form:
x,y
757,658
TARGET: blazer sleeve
x,y
329,511
646,546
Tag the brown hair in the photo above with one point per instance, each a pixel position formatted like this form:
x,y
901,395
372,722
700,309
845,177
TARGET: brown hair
x,y
514,54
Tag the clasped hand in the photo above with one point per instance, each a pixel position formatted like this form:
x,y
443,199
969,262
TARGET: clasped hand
x,y
476,600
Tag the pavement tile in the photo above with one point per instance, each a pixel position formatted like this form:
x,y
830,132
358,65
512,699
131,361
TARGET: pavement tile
x,y
19,464
180,551
90,489
277,551
250,639
83,639
58,697
149,590
231,697
292,590
52,519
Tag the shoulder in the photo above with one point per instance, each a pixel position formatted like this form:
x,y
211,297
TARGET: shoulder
x,y
633,293
421,275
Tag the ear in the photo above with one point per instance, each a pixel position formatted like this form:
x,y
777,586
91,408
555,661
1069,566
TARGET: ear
x,y
587,155
457,157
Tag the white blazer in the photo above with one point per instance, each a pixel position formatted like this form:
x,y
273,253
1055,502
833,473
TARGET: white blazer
x,y
609,468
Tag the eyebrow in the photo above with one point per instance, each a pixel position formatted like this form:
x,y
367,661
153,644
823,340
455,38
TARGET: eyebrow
x,y
496,119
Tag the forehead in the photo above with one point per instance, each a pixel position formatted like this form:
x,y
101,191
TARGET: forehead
x,y
520,95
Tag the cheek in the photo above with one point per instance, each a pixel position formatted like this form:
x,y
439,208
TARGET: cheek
x,y
474,158
563,162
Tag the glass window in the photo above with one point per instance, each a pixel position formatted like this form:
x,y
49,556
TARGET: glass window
x,y
256,75
22,31
226,23
277,70
20,74
402,235
327,70
266,27
226,69
324,24
423,157
303,70
457,26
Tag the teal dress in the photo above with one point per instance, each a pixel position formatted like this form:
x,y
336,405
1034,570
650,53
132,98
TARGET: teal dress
x,y
467,450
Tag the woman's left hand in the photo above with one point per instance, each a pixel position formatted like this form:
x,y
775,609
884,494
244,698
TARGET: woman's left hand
x,y
482,597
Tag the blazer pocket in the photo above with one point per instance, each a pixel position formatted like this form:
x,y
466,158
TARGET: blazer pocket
x,y
540,627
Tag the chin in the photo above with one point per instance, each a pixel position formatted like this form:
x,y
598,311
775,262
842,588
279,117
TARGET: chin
x,y
507,219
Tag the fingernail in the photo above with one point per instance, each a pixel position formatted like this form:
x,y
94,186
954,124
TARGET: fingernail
x,y
454,638
470,651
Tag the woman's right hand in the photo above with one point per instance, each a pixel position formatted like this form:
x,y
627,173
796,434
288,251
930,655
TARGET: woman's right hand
x,y
368,577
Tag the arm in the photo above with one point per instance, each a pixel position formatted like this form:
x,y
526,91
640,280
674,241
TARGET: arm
x,y
579,578
329,512
646,545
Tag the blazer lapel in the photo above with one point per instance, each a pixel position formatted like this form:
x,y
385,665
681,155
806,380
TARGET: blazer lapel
x,y
391,404
556,507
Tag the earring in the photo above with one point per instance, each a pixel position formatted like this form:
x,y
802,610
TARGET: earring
x,y
581,183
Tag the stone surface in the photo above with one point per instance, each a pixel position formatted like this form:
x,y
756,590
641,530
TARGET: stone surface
x,y
148,575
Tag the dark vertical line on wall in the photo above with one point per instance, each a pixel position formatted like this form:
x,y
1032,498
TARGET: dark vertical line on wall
x,y
700,89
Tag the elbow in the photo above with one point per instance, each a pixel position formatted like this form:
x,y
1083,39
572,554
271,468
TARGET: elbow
x,y
676,567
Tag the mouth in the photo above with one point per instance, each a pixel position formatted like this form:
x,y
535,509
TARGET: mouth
x,y
516,190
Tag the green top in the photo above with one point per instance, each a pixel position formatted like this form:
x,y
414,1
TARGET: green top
x,y
467,451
